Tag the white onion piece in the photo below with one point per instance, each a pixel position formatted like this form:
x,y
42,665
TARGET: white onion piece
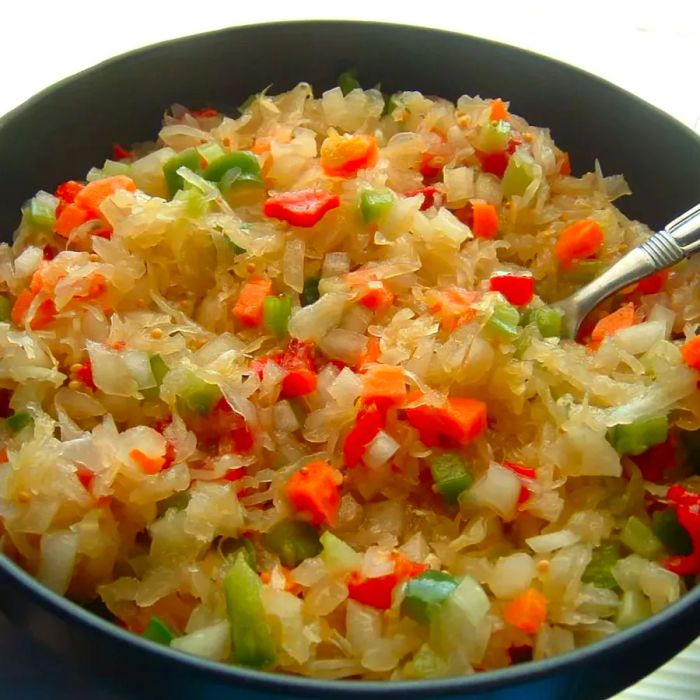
x,y
335,264
293,264
57,555
382,448
209,643
363,625
139,366
498,489
27,262
110,371
470,600
512,575
346,387
313,322
285,418
639,338
551,541
459,185
346,346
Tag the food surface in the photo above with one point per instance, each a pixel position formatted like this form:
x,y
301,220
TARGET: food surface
x,y
285,389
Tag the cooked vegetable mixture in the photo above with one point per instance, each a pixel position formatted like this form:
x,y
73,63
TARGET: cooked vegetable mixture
x,y
284,389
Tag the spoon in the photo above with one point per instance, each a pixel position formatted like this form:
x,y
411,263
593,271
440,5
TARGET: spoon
x,y
677,240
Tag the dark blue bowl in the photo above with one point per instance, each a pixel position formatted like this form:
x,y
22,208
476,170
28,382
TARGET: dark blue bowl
x,y
64,130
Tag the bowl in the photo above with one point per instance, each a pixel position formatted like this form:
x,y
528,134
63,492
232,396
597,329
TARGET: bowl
x,y
67,128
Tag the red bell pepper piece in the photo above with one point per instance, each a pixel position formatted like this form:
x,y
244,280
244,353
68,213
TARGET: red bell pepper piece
x,y
657,460
517,289
369,422
428,192
525,472
688,515
303,208
84,375
119,152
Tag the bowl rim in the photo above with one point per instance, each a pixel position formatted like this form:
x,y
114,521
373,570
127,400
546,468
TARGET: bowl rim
x,y
285,683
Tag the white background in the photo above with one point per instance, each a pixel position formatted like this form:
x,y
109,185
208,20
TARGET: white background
x,y
650,48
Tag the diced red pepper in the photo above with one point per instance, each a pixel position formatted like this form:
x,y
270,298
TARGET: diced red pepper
x,y
428,192
235,474
84,375
565,164
431,166
687,506
484,219
303,208
67,191
517,289
525,472
369,422
49,252
494,163
205,113
298,362
653,284
657,460
119,152
376,297
148,464
690,352
375,592
85,477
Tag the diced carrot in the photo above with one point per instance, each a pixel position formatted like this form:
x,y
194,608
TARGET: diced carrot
x,y
248,309
303,208
690,351
314,490
261,145
96,287
44,315
376,297
453,306
4,459
384,383
373,350
21,306
369,422
654,283
149,465
405,569
579,241
94,193
459,421
527,611
622,318
68,190
657,460
71,216
484,219
343,156
517,289
498,110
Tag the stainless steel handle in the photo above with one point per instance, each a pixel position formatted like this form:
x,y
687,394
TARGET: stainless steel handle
x,y
680,238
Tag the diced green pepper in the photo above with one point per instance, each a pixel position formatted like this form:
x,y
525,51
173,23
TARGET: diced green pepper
x,y
494,136
548,320
276,313
672,534
599,570
5,309
234,169
585,271
231,546
109,169
189,158
374,204
179,500
310,293
425,595
518,175
251,635
503,323
40,212
347,81
293,541
451,475
158,367
634,608
210,152
635,438
338,555
640,538
198,396
17,421
159,632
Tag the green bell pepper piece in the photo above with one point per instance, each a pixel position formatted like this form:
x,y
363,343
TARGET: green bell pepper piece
x,y
599,570
494,136
640,538
293,541
503,323
40,213
17,421
179,500
635,438
518,175
425,595
347,81
5,309
198,396
276,313
189,158
451,475
310,294
585,271
673,535
374,204
548,320
234,168
157,631
251,635
231,546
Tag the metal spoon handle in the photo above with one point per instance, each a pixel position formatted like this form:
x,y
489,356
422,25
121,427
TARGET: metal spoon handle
x,y
680,238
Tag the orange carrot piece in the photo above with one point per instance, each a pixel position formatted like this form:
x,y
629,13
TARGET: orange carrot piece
x,y
314,490
527,612
484,219
21,306
459,421
248,309
622,318
690,351
498,110
579,241
565,165
71,216
94,193
376,296
453,306
384,382
149,465
44,315
373,351
343,156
